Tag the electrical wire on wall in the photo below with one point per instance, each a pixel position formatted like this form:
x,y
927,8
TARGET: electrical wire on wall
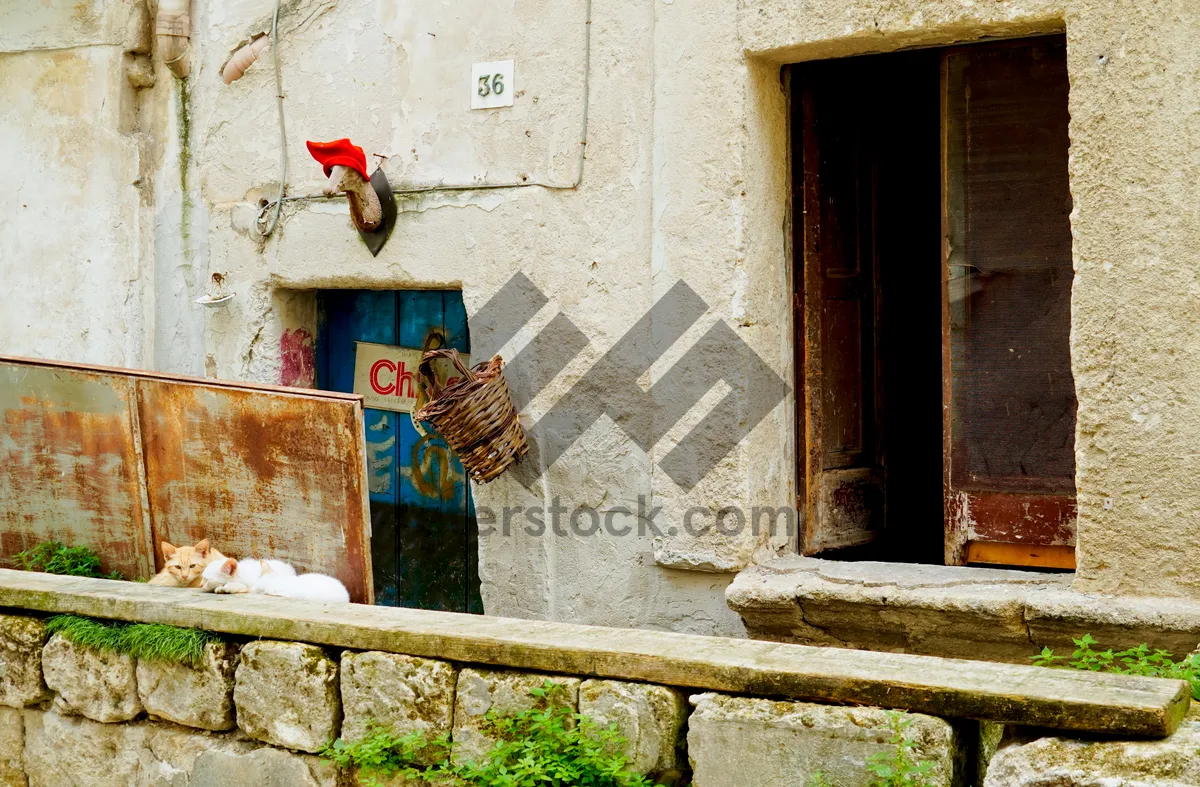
x,y
275,207
267,229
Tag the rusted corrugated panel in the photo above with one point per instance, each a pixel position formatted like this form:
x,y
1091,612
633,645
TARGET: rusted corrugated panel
x,y
119,459
258,475
69,468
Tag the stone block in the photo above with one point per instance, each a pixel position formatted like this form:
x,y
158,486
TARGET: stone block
x,y
12,748
193,696
950,611
742,740
651,718
262,767
988,735
97,684
21,642
169,752
1056,616
286,694
61,750
402,694
1070,762
502,691
70,750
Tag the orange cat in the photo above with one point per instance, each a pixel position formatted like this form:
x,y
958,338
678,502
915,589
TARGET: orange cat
x,y
185,566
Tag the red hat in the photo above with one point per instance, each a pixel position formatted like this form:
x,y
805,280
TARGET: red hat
x,y
340,151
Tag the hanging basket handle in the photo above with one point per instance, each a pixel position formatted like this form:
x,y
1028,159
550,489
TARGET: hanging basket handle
x,y
427,384
429,379
423,397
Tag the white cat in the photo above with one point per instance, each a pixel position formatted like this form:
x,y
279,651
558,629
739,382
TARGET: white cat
x,y
237,576
274,578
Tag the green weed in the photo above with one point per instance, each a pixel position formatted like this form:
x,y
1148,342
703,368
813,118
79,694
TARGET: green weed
x,y
152,641
1141,660
900,766
549,747
54,557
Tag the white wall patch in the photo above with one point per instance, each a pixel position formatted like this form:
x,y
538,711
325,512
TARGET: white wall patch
x,y
492,85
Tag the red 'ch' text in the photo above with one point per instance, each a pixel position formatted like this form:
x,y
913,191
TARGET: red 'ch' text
x,y
390,379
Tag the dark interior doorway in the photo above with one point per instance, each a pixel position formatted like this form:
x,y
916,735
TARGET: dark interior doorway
x,y
933,271
879,242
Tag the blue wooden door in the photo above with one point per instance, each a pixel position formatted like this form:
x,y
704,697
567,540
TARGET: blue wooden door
x,y
424,538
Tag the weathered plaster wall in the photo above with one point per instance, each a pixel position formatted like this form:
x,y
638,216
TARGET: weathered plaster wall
x,y
392,77
1135,176
686,178
89,180
69,228
1134,172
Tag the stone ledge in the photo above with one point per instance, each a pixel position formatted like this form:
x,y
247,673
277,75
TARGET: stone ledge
x,y
949,611
1062,699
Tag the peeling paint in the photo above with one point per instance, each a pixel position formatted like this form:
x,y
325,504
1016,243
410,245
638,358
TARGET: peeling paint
x,y
298,366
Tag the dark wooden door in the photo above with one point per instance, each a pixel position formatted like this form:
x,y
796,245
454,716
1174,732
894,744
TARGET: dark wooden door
x,y
836,304
1010,426
424,536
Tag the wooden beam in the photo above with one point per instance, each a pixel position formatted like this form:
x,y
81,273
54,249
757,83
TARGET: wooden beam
x,y
1016,694
1021,555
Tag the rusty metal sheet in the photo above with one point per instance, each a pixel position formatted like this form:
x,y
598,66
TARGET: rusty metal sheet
x,y
258,474
120,459
69,466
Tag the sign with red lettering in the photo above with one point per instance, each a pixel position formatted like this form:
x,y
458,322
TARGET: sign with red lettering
x,y
386,375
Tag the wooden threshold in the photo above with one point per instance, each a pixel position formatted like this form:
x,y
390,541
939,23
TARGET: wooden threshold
x,y
1021,555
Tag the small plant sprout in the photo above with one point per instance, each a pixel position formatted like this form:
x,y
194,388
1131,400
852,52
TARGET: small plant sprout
x,y
899,767
548,745
1142,660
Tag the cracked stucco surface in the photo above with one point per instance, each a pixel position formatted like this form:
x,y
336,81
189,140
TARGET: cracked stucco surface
x,y
685,178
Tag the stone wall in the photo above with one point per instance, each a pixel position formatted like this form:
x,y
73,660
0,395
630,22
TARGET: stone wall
x,y
259,713
130,187
289,677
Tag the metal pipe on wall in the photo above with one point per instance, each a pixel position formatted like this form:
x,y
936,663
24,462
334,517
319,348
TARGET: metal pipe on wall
x,y
173,27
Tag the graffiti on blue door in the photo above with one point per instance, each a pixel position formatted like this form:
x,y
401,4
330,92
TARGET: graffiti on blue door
x,y
423,533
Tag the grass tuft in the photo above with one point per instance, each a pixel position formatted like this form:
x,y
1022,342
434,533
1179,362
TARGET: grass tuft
x,y
151,641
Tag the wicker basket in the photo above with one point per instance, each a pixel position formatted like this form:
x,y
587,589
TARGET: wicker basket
x,y
475,415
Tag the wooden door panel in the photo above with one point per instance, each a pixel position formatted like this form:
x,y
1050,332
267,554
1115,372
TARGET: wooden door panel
x,y
842,383
1010,424
850,508
843,475
1016,517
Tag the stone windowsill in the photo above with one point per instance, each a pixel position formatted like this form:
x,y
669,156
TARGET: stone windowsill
x,y
951,611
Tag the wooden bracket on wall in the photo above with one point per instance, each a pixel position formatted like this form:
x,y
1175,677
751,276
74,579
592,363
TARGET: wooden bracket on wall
x,y
387,201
